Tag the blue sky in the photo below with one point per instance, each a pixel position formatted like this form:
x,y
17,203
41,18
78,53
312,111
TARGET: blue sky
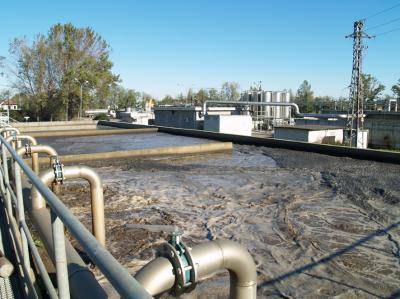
x,y
166,46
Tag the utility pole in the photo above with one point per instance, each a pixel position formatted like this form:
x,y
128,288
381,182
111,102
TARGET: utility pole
x,y
80,112
355,114
80,106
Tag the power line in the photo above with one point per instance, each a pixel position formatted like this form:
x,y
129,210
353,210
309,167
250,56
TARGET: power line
x,y
382,11
386,32
383,24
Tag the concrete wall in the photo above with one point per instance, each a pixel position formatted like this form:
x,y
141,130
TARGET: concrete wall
x,y
291,134
326,136
342,151
56,125
316,136
384,129
230,124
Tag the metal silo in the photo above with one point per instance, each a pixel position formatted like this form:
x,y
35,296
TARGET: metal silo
x,y
267,98
286,99
276,112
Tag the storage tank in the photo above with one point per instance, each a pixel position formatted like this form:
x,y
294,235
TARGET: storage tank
x,y
276,111
267,99
286,110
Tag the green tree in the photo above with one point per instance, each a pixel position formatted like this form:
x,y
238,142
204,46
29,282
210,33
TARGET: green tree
x,y
51,69
230,91
201,96
214,95
189,97
124,98
305,97
167,100
396,89
180,99
145,97
372,87
322,103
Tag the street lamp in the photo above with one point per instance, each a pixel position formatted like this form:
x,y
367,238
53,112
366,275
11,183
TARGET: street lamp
x,y
80,106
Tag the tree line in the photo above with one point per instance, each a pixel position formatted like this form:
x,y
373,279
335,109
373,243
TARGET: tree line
x,y
373,94
229,91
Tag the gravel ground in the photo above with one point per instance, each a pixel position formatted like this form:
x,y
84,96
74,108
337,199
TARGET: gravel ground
x,y
316,225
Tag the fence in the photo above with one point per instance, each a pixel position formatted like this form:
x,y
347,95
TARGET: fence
x,y
12,195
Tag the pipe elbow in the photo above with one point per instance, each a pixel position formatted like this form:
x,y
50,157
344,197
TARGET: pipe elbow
x,y
22,137
37,199
90,175
238,261
44,149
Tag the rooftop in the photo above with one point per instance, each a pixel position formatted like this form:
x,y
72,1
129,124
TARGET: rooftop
x,y
310,128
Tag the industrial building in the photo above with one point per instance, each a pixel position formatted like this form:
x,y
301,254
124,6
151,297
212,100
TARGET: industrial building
x,y
265,118
186,117
383,127
217,119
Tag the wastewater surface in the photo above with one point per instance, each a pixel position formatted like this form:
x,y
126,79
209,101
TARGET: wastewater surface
x,y
120,142
317,226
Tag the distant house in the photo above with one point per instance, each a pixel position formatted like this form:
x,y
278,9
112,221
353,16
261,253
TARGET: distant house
x,y
9,105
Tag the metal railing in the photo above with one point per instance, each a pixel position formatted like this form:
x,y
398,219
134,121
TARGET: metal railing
x,y
12,195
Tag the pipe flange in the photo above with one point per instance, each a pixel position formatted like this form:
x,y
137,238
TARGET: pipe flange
x,y
185,271
58,168
14,139
28,150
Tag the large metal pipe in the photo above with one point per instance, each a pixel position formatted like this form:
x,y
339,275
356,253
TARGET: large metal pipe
x,y
96,192
33,141
118,276
295,108
82,282
158,275
35,151
6,131
23,137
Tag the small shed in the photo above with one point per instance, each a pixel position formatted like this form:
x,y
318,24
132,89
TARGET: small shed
x,y
228,124
311,134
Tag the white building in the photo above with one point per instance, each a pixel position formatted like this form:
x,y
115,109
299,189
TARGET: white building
x,y
11,105
311,134
228,124
136,117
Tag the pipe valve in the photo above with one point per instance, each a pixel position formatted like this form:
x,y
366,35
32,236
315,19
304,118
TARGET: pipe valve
x,y
179,256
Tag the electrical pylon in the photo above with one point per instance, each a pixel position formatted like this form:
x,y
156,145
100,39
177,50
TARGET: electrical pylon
x,y
355,114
